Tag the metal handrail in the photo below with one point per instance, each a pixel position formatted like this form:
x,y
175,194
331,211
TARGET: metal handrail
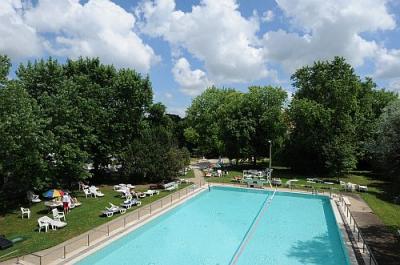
x,y
148,208
371,256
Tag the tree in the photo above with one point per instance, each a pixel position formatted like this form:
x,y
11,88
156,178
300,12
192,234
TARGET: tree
x,y
343,110
203,117
264,109
155,155
5,65
235,124
24,143
386,147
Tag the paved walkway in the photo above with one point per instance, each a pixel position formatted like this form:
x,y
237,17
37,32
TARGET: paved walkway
x,y
198,174
381,240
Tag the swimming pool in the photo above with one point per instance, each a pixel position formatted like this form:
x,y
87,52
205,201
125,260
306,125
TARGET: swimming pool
x,y
209,228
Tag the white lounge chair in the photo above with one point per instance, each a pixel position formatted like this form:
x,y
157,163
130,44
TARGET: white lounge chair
x,y
362,188
33,197
93,190
75,203
25,211
115,209
58,215
350,187
151,192
170,186
131,202
108,213
53,223
276,181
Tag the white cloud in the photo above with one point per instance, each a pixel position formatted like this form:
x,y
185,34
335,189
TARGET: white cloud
x,y
388,64
268,16
394,85
330,28
192,82
168,95
180,111
18,39
98,28
214,32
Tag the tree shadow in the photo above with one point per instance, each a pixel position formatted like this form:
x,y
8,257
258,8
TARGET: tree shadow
x,y
384,244
314,251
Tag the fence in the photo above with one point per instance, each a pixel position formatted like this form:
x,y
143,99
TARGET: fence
x,y
358,236
97,235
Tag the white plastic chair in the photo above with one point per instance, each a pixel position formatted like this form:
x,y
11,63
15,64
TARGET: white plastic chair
x,y
58,215
43,224
87,193
25,211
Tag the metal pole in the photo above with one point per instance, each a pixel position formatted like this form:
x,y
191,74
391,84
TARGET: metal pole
x,y
88,240
108,230
270,152
64,253
150,209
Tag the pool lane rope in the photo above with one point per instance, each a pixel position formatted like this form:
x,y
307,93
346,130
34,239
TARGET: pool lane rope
x,y
253,227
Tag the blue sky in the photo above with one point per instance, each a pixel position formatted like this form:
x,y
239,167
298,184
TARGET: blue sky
x,y
187,45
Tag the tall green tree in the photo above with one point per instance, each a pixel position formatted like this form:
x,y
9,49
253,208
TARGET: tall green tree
x,y
203,119
155,155
347,108
264,109
5,65
24,144
386,147
235,124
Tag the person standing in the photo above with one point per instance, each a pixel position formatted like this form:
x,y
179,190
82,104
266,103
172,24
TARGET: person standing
x,y
66,202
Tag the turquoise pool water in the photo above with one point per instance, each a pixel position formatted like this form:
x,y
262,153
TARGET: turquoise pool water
x,y
208,229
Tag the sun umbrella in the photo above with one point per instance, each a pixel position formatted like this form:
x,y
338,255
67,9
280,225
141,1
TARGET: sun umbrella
x,y
53,193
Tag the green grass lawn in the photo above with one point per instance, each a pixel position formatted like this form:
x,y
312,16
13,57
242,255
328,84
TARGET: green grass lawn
x,y
80,220
379,196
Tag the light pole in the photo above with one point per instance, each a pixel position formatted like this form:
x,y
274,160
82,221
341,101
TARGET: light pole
x,y
270,154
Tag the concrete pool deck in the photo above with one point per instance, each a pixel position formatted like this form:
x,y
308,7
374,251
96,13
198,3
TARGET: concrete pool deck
x,y
382,241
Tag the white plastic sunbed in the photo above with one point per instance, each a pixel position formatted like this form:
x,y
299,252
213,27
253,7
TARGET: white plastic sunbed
x,y
93,190
131,202
115,208
53,223
151,192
